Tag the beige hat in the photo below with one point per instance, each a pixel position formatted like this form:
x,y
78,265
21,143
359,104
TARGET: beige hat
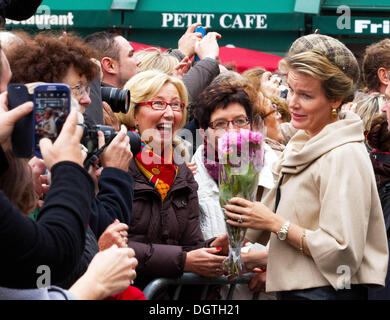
x,y
333,49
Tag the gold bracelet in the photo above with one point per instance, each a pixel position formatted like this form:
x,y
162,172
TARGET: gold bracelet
x,y
303,235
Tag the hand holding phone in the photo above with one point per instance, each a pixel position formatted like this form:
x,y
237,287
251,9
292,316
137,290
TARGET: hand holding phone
x,y
187,41
67,147
201,30
208,47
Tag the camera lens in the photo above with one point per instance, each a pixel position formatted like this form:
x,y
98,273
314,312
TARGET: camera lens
x,y
119,100
135,142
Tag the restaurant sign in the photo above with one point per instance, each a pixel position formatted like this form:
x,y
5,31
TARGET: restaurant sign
x,y
208,20
352,26
215,21
45,18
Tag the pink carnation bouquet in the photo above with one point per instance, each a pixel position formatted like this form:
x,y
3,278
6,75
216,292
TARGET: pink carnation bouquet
x,y
241,158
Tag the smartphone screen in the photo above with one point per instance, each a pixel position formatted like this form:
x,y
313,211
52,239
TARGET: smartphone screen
x,y
51,108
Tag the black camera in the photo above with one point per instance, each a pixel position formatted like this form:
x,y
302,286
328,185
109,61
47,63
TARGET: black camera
x,y
90,138
118,99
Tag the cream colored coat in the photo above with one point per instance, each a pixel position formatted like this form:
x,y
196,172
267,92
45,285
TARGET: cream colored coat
x,y
329,189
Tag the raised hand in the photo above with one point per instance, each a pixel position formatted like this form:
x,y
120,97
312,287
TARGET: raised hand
x,y
117,154
188,40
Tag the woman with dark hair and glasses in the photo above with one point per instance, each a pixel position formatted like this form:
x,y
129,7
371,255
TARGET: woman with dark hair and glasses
x,y
225,106
164,230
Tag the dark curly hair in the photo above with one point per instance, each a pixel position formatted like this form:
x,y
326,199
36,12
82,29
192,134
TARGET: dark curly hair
x,y
379,136
220,95
47,58
376,56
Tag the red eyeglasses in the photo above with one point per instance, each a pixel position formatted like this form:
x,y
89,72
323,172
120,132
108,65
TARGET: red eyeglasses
x,y
162,105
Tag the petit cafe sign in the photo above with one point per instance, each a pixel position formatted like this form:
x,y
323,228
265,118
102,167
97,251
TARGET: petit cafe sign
x,y
210,20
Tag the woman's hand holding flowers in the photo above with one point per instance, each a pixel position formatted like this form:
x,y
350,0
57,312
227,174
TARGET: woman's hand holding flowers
x,y
254,215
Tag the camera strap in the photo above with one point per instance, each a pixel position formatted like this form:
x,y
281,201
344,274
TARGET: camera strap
x,y
94,156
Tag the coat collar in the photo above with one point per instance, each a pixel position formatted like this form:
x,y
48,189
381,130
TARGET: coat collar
x,y
141,182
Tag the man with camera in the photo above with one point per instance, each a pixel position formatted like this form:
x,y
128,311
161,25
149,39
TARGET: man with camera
x,y
116,57
118,64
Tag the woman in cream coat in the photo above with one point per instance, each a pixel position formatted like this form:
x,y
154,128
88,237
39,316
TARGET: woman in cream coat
x,y
327,238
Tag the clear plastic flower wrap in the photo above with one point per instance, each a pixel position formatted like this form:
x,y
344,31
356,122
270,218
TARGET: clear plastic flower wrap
x,y
241,158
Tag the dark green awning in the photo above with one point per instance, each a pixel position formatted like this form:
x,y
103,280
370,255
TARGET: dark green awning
x,y
358,5
266,25
354,18
356,26
155,14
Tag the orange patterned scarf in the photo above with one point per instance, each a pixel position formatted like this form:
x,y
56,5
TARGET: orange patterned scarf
x,y
161,175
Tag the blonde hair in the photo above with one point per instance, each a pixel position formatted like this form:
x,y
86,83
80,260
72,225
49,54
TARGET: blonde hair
x,y
369,105
337,85
254,76
154,58
144,86
282,107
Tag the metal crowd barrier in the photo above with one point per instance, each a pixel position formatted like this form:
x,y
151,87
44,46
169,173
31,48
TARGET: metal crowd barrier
x,y
189,278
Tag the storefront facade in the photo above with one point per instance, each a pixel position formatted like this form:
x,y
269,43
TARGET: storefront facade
x,y
268,26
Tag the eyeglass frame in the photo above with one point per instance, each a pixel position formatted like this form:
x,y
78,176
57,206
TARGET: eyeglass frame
x,y
85,90
211,125
166,104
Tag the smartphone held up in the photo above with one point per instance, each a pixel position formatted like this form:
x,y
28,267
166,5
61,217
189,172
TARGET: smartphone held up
x,y
51,107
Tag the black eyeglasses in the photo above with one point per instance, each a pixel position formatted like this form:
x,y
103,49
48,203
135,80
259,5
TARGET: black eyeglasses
x,y
162,105
223,124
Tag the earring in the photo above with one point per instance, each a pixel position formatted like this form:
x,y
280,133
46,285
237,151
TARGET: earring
x,y
136,129
334,114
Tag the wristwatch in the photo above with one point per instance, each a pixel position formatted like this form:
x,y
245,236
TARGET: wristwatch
x,y
282,234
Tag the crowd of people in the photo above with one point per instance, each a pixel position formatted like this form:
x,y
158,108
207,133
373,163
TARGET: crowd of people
x,y
105,231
